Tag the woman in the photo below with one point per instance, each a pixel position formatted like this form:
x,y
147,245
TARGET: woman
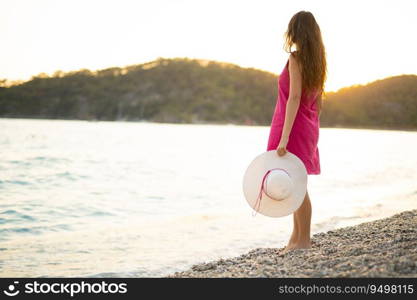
x,y
295,123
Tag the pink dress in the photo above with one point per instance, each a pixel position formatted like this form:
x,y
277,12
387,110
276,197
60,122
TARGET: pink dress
x,y
304,135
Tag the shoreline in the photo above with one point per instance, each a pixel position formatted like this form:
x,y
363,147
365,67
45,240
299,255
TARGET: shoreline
x,y
385,247
384,128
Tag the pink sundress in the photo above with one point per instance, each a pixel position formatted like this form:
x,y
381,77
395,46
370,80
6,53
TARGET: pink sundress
x,y
304,135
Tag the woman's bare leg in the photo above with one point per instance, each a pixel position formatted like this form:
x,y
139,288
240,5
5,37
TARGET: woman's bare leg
x,y
300,237
295,231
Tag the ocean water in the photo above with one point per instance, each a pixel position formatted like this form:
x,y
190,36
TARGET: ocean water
x,y
137,199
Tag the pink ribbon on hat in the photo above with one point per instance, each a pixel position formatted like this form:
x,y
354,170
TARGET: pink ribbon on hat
x,y
258,200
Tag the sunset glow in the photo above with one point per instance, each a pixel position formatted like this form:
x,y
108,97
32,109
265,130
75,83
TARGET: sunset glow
x,y
365,40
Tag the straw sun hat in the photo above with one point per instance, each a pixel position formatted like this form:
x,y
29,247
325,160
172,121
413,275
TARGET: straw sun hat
x,y
274,185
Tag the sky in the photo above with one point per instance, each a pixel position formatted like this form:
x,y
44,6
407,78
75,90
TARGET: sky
x,y
365,40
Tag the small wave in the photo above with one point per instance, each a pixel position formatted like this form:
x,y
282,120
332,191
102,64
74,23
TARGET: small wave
x,y
18,182
15,161
40,158
35,230
9,212
101,214
50,159
137,273
33,160
15,216
17,230
332,222
70,176
67,175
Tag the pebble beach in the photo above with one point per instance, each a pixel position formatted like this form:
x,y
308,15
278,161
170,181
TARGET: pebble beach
x,y
382,248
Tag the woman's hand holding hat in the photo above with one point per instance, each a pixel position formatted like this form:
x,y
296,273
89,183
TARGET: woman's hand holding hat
x,y
282,147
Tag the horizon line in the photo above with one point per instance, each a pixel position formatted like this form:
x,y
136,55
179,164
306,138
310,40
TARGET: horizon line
x,y
14,82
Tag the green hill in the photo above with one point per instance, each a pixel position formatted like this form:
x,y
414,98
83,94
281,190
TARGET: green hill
x,y
183,90
387,103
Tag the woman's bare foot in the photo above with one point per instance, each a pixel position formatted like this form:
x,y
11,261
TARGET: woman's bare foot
x,y
300,236
293,246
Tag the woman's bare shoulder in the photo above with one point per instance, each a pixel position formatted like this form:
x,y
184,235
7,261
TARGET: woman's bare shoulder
x,y
293,60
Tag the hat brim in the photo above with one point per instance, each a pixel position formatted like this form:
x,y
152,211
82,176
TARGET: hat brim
x,y
252,181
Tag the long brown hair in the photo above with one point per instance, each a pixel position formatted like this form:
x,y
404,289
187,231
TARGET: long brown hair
x,y
304,32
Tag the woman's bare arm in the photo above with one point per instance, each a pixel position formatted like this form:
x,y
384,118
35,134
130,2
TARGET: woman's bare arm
x,y
293,103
